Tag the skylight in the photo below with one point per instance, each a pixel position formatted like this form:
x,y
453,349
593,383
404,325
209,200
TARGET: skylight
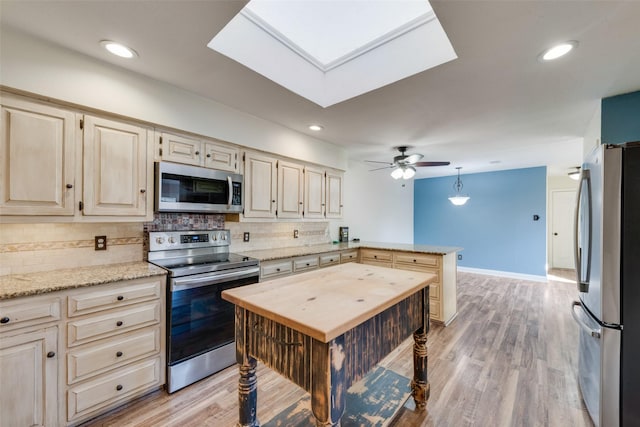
x,y
331,50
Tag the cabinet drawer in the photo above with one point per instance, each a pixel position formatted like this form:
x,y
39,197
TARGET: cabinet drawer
x,y
329,259
124,293
351,256
100,356
112,323
107,389
375,255
31,311
305,263
274,269
424,260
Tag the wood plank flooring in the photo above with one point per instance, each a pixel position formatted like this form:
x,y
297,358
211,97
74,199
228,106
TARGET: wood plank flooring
x,y
508,359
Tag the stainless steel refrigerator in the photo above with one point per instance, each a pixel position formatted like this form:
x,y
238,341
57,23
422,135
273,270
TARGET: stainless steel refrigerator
x,y
608,279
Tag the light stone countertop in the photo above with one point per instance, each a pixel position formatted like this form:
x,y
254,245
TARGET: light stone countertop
x,y
21,285
280,253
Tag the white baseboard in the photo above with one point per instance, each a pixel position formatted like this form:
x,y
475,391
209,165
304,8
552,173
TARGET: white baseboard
x,y
499,273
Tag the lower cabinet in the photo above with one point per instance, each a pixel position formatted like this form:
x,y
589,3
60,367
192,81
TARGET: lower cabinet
x,y
29,377
69,356
286,266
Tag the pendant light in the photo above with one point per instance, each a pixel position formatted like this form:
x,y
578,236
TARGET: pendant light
x,y
458,199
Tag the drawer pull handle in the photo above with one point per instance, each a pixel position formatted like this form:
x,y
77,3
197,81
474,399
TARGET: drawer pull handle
x,y
5,319
119,354
375,256
277,269
330,259
119,323
69,185
51,354
307,264
120,298
414,260
142,191
119,387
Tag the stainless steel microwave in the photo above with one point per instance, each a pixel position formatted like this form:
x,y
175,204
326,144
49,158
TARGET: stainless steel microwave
x,y
184,188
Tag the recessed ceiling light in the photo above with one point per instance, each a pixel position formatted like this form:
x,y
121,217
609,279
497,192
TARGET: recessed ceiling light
x,y
118,49
558,50
316,128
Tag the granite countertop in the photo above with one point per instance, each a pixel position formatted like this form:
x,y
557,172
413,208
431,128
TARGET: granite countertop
x,y
20,285
279,253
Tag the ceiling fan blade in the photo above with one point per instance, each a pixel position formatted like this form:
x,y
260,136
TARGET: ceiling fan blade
x,y
374,161
413,158
420,164
377,169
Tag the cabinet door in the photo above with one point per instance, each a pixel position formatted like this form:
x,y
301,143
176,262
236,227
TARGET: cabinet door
x,y
334,195
221,157
115,168
290,182
260,179
29,378
314,192
180,149
37,159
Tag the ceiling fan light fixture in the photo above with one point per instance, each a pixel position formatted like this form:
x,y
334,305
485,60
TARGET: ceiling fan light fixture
x,y
458,199
397,173
409,172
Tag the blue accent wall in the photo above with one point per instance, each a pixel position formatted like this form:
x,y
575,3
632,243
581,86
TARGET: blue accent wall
x,y
495,227
621,118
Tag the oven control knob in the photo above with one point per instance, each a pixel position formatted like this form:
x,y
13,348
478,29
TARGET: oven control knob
x,y
224,237
214,237
172,239
159,240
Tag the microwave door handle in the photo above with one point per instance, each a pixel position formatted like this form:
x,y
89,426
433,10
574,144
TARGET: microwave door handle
x,y
230,199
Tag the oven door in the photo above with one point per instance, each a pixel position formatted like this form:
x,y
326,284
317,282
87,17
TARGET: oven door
x,y
199,320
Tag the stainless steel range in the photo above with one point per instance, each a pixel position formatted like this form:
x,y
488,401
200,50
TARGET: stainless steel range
x,y
200,324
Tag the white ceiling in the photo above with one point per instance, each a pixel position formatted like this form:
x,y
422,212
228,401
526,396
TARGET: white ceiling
x,y
496,102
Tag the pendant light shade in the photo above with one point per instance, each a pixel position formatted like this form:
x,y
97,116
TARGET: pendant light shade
x,y
459,199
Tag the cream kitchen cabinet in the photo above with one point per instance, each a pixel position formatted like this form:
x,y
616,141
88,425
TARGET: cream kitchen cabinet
x,y
334,196
38,154
117,176
197,152
290,189
61,165
260,183
29,361
115,345
323,196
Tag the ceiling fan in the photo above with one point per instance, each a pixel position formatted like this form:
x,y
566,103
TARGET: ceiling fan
x,y
404,166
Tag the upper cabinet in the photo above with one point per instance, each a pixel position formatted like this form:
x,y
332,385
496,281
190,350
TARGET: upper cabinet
x,y
116,170
275,188
38,159
198,152
63,164
260,189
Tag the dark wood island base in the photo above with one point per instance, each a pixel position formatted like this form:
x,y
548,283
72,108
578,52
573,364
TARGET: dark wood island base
x,y
326,363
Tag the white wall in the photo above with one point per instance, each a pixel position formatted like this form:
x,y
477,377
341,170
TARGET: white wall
x,y
593,133
35,66
379,208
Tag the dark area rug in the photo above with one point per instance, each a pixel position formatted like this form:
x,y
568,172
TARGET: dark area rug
x,y
371,402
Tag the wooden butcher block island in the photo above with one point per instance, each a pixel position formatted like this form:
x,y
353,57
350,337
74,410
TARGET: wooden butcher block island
x,y
325,329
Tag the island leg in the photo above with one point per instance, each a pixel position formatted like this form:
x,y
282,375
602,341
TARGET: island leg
x,y
328,391
248,382
420,387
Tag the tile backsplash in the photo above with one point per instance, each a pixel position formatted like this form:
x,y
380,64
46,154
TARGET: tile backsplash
x,y
30,248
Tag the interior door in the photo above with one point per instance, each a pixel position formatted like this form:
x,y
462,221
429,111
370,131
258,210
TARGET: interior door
x,y
562,205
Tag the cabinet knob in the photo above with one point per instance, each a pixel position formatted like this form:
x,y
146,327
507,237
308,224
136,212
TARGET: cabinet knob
x,y
414,260
69,185
51,354
273,201
5,319
209,155
119,354
307,264
119,323
197,153
119,387
120,298
277,269
375,256
142,191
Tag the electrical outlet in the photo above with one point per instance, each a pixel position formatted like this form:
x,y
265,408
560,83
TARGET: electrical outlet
x,y
459,257
100,243
295,234
245,237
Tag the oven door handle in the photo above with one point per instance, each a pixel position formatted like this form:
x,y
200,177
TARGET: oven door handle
x,y
181,284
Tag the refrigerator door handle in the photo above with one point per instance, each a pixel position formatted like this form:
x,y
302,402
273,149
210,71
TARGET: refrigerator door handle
x,y
583,283
595,333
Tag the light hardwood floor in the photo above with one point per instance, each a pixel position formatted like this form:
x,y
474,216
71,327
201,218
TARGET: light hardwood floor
x,y
508,359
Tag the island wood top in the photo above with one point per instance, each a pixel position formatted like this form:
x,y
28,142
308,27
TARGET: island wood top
x,y
326,303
